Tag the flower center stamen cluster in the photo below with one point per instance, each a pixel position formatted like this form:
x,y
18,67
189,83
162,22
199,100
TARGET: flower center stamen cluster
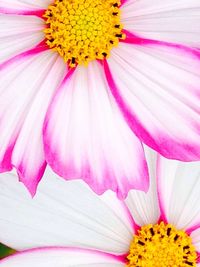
x,y
83,30
161,245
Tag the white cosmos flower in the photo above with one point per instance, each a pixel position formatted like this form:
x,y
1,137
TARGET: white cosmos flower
x,y
91,122
67,225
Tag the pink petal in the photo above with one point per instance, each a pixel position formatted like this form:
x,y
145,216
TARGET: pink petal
x,y
158,91
85,136
59,257
27,86
171,21
18,34
179,191
62,214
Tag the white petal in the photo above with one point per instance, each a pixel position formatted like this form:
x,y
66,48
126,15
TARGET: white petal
x,y
179,192
144,207
195,235
28,155
86,136
60,257
18,34
158,90
172,21
24,4
61,214
22,93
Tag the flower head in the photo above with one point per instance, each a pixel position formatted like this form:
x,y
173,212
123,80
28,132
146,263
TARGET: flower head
x,y
66,224
85,83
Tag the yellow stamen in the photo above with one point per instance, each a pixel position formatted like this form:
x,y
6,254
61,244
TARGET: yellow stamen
x,y
83,30
161,245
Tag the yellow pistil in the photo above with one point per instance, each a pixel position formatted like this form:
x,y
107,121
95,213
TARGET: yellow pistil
x,y
161,245
83,30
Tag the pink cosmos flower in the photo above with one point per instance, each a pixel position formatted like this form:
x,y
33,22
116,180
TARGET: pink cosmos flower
x,y
66,224
85,83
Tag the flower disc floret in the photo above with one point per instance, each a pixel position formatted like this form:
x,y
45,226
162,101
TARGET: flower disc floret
x,y
161,245
83,30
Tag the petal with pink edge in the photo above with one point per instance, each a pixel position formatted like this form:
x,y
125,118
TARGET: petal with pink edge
x,y
85,136
23,5
59,257
61,214
171,21
158,91
195,235
179,192
18,34
22,93
144,207
28,155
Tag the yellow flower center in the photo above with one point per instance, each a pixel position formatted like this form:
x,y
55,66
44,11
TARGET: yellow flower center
x,y
83,30
161,245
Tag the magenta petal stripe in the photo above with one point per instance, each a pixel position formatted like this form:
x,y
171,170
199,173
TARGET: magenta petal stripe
x,y
24,102
62,256
37,13
96,144
158,92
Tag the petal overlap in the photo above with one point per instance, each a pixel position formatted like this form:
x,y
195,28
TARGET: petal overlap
x,y
61,214
59,257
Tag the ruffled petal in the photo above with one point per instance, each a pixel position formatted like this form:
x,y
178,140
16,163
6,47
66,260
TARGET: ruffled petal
x,y
179,192
6,5
144,207
171,21
59,257
18,34
86,136
27,86
61,214
158,91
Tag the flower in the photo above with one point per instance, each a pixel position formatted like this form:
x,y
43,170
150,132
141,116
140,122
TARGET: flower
x,y
67,224
140,84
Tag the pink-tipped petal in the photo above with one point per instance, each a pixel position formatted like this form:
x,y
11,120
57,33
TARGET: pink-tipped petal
x,y
61,214
158,91
171,21
179,191
144,207
24,5
25,92
85,136
28,155
60,257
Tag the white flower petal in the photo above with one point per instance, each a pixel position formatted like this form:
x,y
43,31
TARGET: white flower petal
x,y
25,92
195,235
28,155
179,192
61,214
60,257
176,21
5,5
144,207
86,136
158,91
18,34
